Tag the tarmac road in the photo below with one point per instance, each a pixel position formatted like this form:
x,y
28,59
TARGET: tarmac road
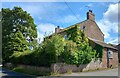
x,y
5,73
109,72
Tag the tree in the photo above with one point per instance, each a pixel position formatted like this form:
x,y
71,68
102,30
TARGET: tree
x,y
17,26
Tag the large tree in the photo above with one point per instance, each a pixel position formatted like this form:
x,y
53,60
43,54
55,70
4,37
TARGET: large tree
x,y
18,31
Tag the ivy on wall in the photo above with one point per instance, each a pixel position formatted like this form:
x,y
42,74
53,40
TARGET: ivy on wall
x,y
85,51
99,50
78,36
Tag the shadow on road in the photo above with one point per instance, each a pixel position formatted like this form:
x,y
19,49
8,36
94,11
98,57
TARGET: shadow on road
x,y
5,73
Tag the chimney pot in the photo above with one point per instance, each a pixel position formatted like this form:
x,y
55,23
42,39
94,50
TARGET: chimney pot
x,y
58,26
90,11
57,29
90,15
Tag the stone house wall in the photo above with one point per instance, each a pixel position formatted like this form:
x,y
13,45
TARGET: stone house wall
x,y
118,47
109,62
113,62
104,59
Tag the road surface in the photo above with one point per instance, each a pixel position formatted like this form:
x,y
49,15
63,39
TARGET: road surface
x,y
8,73
109,72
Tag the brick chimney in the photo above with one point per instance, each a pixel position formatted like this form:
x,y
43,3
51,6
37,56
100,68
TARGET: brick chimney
x,y
90,15
57,29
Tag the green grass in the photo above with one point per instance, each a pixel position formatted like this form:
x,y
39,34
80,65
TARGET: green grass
x,y
55,74
30,71
69,71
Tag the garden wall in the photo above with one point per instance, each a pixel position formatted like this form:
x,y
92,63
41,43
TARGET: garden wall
x,y
41,69
63,68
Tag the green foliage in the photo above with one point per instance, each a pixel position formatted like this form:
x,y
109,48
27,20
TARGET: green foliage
x,y
75,50
51,49
99,50
76,35
46,54
85,52
17,25
70,54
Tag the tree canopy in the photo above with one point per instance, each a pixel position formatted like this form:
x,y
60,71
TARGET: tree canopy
x,y
17,27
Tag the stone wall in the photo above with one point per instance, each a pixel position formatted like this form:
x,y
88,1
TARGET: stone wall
x,y
40,69
63,68
105,59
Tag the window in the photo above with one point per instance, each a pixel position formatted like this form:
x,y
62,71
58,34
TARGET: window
x,y
110,54
30,47
65,37
84,27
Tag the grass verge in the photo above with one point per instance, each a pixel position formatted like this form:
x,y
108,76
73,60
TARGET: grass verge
x,y
30,71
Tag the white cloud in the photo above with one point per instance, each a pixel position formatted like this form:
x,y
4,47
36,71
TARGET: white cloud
x,y
107,27
42,10
114,41
69,19
45,29
109,22
40,37
89,5
112,13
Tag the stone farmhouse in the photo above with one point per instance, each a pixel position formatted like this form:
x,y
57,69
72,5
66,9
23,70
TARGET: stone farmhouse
x,y
96,37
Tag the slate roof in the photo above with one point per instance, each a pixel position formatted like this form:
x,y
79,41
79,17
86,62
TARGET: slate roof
x,y
102,43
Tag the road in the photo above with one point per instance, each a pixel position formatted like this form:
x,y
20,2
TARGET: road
x,y
109,72
8,73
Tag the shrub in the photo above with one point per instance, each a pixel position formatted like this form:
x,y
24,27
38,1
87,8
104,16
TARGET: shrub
x,y
70,54
50,50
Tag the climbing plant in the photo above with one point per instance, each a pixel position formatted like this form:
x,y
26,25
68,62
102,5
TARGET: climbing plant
x,y
99,50
85,52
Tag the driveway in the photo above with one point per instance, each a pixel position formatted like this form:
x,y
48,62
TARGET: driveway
x,y
109,72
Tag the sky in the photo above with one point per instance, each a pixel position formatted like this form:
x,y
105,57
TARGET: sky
x,y
48,15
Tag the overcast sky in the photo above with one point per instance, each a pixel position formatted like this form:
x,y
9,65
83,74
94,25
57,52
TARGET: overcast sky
x,y
48,15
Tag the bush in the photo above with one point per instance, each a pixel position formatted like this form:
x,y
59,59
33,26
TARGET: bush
x,y
70,55
51,49
56,49
85,54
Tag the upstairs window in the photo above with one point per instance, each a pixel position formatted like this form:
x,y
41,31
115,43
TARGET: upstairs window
x,y
30,47
84,28
65,37
110,54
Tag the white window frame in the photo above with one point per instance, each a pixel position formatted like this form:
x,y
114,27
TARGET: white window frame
x,y
110,54
65,37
